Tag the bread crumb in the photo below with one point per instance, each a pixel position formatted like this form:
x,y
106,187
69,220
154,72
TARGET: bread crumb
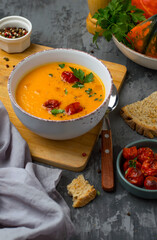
x,y
81,191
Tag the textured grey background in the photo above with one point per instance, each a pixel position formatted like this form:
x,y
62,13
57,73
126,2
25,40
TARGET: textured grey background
x,y
58,23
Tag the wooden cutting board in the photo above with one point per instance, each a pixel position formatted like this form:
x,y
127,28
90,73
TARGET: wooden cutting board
x,y
70,154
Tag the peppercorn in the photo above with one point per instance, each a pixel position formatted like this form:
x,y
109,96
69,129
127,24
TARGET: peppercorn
x,y
13,32
6,59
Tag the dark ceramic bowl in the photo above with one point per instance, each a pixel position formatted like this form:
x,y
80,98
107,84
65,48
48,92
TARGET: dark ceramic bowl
x,y
139,192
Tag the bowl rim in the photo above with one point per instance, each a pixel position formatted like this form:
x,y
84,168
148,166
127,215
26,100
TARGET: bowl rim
x,y
135,52
8,40
119,169
57,121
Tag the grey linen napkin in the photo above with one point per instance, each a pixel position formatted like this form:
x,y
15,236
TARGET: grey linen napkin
x,y
30,206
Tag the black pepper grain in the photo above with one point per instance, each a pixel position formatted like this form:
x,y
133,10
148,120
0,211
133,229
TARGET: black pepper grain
x,y
6,59
13,32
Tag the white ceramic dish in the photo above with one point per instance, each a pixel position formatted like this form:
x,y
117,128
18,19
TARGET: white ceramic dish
x,y
136,57
60,130
18,44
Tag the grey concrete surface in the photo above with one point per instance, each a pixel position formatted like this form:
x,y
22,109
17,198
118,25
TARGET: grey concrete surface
x,y
58,23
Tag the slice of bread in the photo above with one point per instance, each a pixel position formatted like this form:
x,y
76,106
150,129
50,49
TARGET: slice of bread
x,y
81,191
142,115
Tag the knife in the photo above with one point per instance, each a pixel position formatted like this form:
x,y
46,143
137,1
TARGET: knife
x,y
107,172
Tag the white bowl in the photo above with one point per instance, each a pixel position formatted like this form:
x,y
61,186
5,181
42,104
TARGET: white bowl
x,y
17,44
136,57
60,130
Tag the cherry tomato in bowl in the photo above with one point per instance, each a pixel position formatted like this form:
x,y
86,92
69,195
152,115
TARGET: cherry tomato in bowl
x,y
131,163
135,176
139,191
150,182
144,153
130,153
149,167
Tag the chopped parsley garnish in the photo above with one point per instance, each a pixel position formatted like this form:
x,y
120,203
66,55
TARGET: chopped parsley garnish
x,y
89,78
78,73
62,65
50,74
88,91
98,99
66,91
57,111
92,95
78,85
132,163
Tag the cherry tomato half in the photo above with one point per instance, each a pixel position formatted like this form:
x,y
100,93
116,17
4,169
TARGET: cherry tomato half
x,y
144,154
134,176
130,153
150,183
69,77
73,108
51,104
149,167
131,163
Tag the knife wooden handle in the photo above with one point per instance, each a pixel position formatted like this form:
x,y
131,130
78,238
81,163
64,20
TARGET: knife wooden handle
x,y
107,173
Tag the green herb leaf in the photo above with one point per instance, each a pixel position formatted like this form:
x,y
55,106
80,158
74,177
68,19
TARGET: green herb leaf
x,y
91,95
132,163
78,85
66,91
117,19
78,73
89,78
96,35
62,65
50,74
88,91
57,111
98,193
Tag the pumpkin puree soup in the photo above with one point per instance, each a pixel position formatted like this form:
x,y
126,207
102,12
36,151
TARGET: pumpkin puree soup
x,y
60,91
